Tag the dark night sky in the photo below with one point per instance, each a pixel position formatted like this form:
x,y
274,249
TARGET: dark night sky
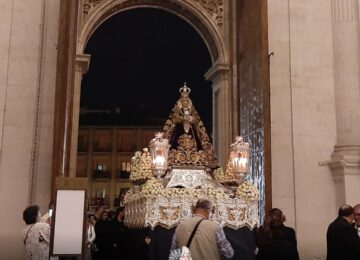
x,y
139,60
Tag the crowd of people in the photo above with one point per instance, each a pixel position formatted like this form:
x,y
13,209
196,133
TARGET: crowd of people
x,y
107,235
108,238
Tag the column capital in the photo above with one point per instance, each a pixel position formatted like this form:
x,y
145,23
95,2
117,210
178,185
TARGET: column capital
x,y
82,62
217,71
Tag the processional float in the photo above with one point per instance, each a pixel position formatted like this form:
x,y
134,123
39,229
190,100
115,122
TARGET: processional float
x,y
180,167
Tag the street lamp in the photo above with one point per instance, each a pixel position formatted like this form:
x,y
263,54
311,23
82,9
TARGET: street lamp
x,y
159,148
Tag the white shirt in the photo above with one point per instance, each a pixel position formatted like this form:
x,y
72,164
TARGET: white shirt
x,y
91,234
37,239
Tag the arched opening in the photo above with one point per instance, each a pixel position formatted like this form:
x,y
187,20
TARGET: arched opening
x,y
217,74
203,22
129,90
225,74
218,27
139,68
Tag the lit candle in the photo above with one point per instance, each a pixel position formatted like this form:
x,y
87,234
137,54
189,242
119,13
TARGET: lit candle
x,y
240,164
159,147
159,161
243,164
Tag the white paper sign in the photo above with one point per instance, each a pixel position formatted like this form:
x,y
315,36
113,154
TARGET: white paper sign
x,y
69,222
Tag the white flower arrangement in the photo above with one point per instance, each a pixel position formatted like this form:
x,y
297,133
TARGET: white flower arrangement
x,y
153,188
227,177
141,167
129,196
219,174
247,191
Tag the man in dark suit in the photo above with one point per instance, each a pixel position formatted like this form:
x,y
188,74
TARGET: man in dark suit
x,y
343,242
357,218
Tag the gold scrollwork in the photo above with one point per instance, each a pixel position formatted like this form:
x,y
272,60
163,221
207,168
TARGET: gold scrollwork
x,y
169,213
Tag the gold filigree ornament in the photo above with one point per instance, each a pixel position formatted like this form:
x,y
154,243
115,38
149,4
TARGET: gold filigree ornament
x,y
169,213
193,145
187,153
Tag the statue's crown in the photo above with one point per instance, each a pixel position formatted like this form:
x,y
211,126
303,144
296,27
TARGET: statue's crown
x,y
184,91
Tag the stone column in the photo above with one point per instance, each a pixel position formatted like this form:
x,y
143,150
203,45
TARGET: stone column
x,y
345,160
220,77
81,66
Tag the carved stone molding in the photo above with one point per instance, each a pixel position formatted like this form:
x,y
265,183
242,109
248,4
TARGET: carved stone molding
x,y
217,72
213,7
89,5
205,16
345,167
345,160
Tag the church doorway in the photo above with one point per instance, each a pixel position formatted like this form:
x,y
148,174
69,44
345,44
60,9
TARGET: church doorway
x,y
235,34
139,60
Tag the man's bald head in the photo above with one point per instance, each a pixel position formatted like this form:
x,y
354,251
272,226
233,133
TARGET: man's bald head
x,y
203,207
347,212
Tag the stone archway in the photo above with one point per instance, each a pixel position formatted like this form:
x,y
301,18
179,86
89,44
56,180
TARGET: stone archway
x,y
206,18
209,28
235,33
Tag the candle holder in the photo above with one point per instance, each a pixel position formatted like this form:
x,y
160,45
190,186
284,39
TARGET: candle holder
x,y
239,158
159,149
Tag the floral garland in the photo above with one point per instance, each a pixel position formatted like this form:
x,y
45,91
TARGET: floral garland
x,y
153,188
